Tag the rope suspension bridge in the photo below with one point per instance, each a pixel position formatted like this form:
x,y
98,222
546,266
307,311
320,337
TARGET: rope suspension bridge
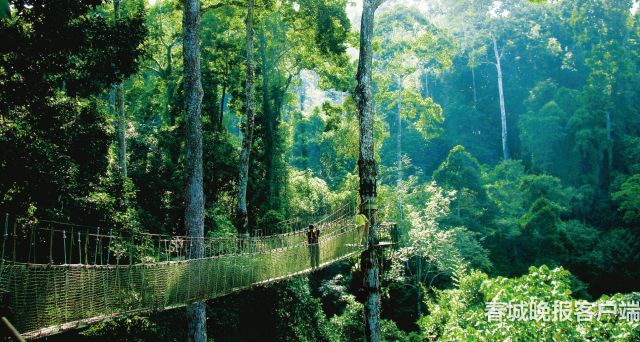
x,y
56,277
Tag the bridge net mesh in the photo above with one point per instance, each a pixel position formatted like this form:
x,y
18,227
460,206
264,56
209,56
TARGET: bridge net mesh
x,y
46,298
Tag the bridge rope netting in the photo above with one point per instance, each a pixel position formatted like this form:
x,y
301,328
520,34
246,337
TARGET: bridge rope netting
x,y
56,277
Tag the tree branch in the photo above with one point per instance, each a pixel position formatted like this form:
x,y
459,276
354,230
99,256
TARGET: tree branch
x,y
502,51
156,71
378,3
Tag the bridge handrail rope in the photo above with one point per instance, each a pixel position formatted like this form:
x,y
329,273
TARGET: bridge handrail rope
x,y
349,205
58,279
74,245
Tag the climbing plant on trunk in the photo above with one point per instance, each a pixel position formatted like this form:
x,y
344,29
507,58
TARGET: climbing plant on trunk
x,y
367,173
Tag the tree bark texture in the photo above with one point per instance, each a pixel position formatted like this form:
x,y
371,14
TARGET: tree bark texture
x,y
269,120
194,195
609,144
122,129
473,85
399,149
117,101
242,223
367,172
503,111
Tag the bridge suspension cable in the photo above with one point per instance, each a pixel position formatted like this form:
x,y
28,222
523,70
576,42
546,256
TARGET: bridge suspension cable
x,y
56,277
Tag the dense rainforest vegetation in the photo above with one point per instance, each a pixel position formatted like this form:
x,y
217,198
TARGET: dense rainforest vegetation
x,y
507,137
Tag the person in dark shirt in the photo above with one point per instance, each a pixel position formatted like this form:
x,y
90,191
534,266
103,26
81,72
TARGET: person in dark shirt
x,y
310,235
313,235
316,246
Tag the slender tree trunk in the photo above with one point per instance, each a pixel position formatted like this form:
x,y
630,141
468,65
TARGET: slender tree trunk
x,y
168,72
302,96
399,149
609,144
169,69
473,85
242,223
222,104
267,112
459,197
117,100
503,111
418,288
367,173
194,195
432,90
276,173
122,130
213,117
303,133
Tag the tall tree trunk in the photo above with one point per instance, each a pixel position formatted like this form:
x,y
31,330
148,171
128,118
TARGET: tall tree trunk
x,y
117,95
503,111
266,108
303,130
367,172
194,195
399,149
168,72
473,86
609,145
122,129
302,95
242,223
213,116
268,114
276,173
418,288
222,104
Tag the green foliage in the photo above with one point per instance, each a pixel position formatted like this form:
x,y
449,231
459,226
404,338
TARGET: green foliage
x,y
459,314
540,230
542,134
423,113
61,58
218,222
538,186
281,312
570,196
615,261
460,171
348,326
332,24
268,224
433,255
309,195
140,328
503,186
628,198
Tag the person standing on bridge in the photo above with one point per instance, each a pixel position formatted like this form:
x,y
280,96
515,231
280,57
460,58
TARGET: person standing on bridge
x,y
313,235
316,245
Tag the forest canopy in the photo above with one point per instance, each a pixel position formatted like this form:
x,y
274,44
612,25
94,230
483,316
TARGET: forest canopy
x,y
505,141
